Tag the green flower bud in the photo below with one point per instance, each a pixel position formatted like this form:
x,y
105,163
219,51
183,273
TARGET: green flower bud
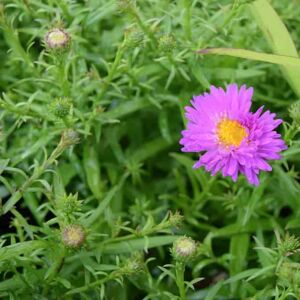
x,y
133,265
184,249
73,236
61,107
134,37
69,204
175,219
70,137
166,43
294,111
57,39
288,245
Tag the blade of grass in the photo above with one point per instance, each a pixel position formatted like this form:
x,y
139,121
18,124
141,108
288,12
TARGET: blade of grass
x,y
278,39
252,55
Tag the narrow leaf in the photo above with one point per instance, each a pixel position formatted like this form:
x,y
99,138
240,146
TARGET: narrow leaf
x,y
248,54
278,38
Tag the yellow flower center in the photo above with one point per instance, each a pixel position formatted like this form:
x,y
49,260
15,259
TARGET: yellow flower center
x,y
231,132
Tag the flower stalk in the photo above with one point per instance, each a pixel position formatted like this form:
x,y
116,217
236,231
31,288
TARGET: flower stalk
x,y
179,271
65,142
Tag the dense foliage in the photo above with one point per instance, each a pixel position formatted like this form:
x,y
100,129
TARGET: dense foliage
x,y
94,189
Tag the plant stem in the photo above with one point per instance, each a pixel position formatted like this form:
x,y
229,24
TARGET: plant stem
x,y
179,270
111,276
112,71
62,76
36,174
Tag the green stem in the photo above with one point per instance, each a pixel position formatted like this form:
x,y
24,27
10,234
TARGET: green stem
x,y
111,73
187,19
62,77
111,276
36,175
179,270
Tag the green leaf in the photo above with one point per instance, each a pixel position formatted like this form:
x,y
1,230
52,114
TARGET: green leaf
x,y
137,244
149,149
252,55
3,164
12,251
239,245
104,203
278,39
92,169
214,290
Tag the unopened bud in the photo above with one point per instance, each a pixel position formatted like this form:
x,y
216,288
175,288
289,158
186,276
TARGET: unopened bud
x,y
133,265
167,43
184,249
69,204
61,107
70,137
57,39
288,245
134,38
175,219
73,236
294,111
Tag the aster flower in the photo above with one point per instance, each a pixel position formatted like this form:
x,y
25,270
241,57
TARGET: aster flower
x,y
234,139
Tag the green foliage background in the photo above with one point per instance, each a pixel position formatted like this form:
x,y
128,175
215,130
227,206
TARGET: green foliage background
x,y
129,71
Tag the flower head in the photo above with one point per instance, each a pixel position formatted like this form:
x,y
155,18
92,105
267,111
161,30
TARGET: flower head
x,y
167,43
57,38
73,236
61,107
184,249
69,137
234,139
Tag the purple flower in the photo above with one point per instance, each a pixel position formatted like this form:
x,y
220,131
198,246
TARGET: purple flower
x,y
232,138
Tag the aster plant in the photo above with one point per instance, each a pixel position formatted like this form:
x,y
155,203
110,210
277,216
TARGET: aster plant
x,y
234,140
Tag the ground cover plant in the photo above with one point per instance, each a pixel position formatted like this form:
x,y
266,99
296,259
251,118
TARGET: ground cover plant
x,y
97,200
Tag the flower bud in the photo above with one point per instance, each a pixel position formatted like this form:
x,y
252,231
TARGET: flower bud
x,y
166,43
61,107
288,245
133,265
134,37
73,236
175,219
69,204
294,111
57,39
70,137
184,249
